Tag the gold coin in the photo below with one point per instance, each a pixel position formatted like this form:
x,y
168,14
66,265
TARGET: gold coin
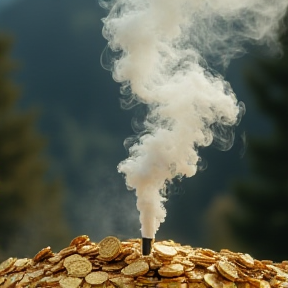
x,y
136,268
109,248
227,270
5,265
43,254
72,258
196,285
68,251
80,240
246,260
171,270
79,268
70,282
164,250
114,266
21,262
88,249
96,278
213,280
195,275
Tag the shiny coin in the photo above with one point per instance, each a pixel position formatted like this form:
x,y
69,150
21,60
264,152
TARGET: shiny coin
x,y
96,278
246,260
227,270
79,268
7,264
70,282
43,254
136,268
213,280
172,270
109,248
164,250
80,240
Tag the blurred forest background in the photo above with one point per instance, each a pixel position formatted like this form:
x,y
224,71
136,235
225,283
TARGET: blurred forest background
x,y
61,135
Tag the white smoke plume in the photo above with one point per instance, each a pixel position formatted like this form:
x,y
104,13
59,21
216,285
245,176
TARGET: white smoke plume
x,y
164,51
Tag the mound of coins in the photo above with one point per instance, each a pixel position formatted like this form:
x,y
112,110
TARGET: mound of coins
x,y
112,263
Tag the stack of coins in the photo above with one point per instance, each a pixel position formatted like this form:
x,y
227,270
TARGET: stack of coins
x,y
115,264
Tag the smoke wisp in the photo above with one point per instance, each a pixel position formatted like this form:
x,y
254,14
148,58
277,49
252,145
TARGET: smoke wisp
x,y
165,52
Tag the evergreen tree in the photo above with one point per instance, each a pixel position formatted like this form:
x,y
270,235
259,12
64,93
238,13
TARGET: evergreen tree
x,y
262,223
30,204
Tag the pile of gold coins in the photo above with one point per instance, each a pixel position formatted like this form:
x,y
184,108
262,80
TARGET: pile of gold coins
x,y
115,264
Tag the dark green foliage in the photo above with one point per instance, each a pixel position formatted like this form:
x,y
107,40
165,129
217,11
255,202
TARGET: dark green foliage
x,y
30,210
263,220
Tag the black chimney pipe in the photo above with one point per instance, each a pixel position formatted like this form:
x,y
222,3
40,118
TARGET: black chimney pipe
x,y
146,246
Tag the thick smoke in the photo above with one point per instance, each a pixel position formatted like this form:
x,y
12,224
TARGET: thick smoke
x,y
164,51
